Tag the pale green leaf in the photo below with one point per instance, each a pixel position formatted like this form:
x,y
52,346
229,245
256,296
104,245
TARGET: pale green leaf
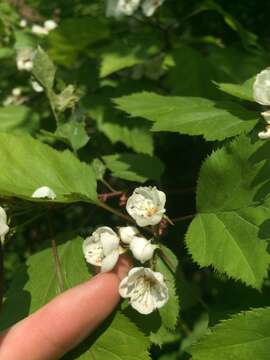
x,y
30,164
134,167
18,119
73,133
99,168
188,115
35,285
43,69
230,231
243,91
243,337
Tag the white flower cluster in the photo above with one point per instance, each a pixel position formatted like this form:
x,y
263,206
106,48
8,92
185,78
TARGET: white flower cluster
x,y
44,30
118,8
145,288
25,58
261,94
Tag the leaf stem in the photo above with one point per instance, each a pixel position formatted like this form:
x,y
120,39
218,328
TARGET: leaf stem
x,y
168,262
57,262
108,185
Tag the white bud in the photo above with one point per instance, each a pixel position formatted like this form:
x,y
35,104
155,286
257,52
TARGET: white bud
x,y
145,288
102,248
36,86
117,8
150,6
142,249
127,233
44,192
261,87
16,91
146,205
23,23
50,25
4,228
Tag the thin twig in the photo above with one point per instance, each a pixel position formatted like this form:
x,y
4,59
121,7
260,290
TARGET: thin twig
x,y
55,255
105,196
108,185
183,218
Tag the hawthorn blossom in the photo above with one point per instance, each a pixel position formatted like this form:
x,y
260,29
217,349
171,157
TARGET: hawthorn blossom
x,y
146,205
142,249
127,233
261,87
25,59
15,98
44,192
145,288
117,8
50,25
44,30
23,23
4,228
150,6
102,248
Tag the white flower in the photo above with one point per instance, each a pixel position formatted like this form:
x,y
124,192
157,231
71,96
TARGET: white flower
x,y
145,288
150,6
39,30
102,248
50,25
16,91
127,233
146,205
117,8
15,98
4,228
23,23
142,249
44,192
261,87
36,86
25,59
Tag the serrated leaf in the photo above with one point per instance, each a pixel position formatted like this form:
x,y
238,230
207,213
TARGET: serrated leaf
x,y
18,119
99,168
35,285
134,167
188,115
134,134
243,91
44,69
243,337
30,164
229,232
170,312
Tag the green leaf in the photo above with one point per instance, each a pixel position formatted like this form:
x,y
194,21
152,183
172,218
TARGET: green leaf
x,y
74,133
243,91
29,164
134,134
127,52
43,69
35,285
230,231
243,337
134,167
99,168
18,119
191,74
187,115
73,36
65,100
170,312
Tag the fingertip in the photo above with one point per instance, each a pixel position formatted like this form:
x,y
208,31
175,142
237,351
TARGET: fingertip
x,y
123,266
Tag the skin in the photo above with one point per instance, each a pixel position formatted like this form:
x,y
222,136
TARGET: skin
x,y
65,321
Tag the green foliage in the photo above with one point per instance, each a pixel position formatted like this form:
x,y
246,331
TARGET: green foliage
x,y
44,70
243,91
18,119
134,167
230,231
70,179
35,285
192,116
244,336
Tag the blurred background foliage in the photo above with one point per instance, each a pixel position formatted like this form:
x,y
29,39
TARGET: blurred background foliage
x,y
183,50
